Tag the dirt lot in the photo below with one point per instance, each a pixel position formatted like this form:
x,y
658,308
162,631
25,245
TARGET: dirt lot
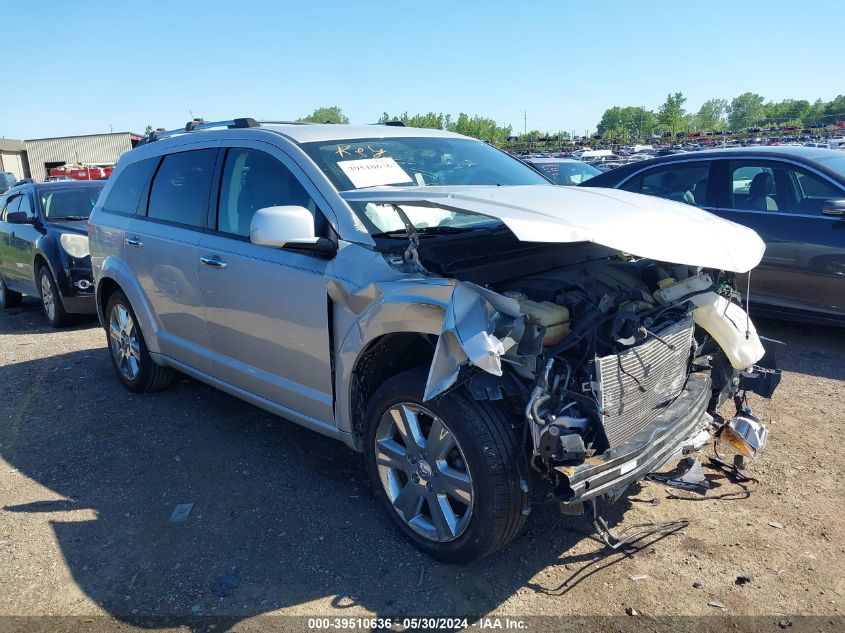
x,y
283,520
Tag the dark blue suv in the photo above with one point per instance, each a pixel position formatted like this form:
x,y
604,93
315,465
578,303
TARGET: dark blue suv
x,y
44,247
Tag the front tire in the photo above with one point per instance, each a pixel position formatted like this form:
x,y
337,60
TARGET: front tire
x,y
446,471
51,300
128,351
8,298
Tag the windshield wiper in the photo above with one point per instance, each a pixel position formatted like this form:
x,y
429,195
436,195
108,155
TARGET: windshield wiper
x,y
70,217
427,230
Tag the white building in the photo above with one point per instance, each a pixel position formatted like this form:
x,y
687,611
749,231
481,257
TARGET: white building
x,y
102,150
13,158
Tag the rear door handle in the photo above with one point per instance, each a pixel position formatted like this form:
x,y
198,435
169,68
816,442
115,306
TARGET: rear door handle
x,y
134,241
213,261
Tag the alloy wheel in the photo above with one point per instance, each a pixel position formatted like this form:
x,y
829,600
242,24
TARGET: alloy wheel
x,y
48,298
123,337
424,472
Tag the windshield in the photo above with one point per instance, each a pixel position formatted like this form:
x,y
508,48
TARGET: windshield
x,y
564,173
417,162
69,203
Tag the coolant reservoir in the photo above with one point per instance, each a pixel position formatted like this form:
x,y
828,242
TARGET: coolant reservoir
x,y
551,316
671,290
726,322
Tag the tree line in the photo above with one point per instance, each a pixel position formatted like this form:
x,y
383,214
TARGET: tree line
x,y
629,123
746,111
476,126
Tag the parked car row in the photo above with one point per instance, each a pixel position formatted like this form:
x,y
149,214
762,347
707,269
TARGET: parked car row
x,y
475,331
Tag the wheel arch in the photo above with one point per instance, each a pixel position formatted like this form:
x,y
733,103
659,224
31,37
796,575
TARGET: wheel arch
x,y
384,356
115,275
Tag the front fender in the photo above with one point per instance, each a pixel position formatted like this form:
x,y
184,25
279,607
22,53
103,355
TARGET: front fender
x,y
362,316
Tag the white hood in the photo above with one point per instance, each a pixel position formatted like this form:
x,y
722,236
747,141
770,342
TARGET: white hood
x,y
644,226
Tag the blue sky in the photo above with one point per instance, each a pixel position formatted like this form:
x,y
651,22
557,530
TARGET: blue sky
x,y
81,67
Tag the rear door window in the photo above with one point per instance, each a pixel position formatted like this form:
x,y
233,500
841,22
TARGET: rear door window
x,y
181,187
682,182
125,194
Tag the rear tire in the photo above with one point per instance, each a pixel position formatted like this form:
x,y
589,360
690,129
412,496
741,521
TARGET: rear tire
x,y
128,351
463,458
51,300
8,298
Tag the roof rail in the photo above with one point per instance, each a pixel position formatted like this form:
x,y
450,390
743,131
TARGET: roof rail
x,y
198,125
262,121
392,123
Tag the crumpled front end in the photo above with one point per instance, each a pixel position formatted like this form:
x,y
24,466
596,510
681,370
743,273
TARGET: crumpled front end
x,y
616,367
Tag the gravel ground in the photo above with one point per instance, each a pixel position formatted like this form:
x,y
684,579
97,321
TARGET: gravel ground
x,y
283,520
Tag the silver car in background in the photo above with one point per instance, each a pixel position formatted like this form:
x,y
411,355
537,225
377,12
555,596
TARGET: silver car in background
x,y
480,335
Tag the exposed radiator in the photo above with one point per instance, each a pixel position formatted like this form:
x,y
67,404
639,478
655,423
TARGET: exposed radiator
x,y
635,384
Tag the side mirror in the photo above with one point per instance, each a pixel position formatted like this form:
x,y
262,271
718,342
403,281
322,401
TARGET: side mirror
x,y
18,217
835,208
288,227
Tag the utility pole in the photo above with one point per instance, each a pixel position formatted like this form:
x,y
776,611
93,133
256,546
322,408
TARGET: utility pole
x,y
525,123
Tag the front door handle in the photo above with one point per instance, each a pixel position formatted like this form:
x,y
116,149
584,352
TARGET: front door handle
x,y
134,241
213,261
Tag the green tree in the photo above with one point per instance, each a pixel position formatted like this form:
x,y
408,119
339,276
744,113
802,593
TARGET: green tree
x,y
629,123
711,115
434,120
746,111
480,127
148,130
671,115
332,114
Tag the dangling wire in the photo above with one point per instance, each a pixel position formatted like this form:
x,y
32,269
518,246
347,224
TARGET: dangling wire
x,y
748,307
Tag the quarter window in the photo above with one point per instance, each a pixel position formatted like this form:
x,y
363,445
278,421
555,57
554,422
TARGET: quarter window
x,y
130,185
683,182
254,180
182,186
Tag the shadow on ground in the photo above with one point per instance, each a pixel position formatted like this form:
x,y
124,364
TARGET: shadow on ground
x,y
281,516
814,350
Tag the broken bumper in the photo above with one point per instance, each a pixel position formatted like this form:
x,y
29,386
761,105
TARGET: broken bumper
x,y
684,424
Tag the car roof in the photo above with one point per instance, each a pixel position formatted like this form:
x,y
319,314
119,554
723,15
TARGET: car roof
x,y
799,154
762,151
347,132
56,184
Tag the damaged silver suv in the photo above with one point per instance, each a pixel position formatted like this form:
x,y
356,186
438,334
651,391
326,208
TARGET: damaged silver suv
x,y
482,336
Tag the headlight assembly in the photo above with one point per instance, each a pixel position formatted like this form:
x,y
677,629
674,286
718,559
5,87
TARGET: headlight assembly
x,y
75,245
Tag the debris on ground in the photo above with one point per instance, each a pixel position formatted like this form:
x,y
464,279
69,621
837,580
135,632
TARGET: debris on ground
x,y
691,479
638,577
776,525
717,604
181,512
744,579
632,611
